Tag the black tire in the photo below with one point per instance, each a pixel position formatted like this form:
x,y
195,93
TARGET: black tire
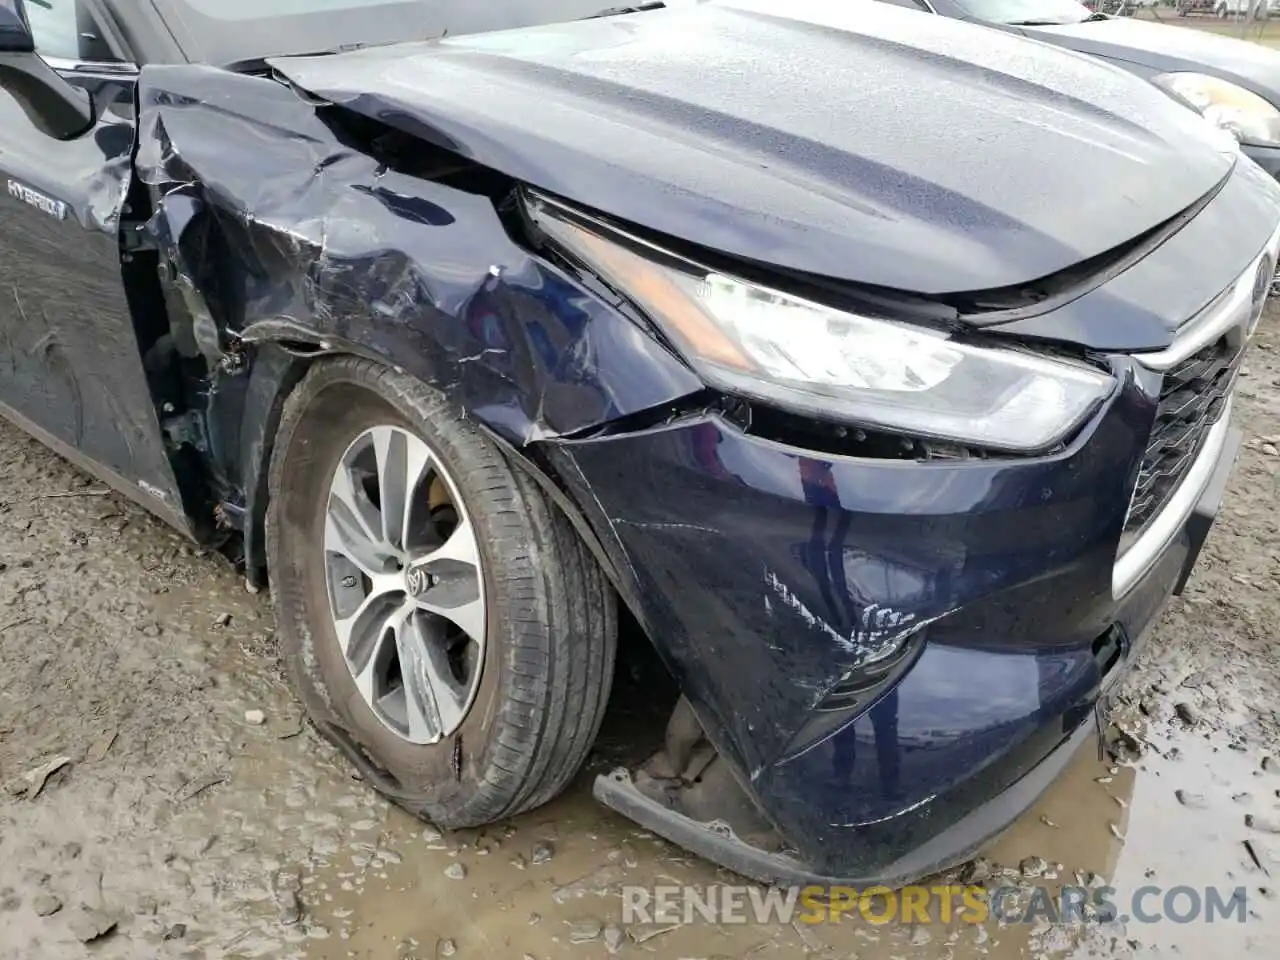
x,y
552,619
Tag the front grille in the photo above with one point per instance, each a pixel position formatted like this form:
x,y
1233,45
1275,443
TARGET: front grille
x,y
1192,398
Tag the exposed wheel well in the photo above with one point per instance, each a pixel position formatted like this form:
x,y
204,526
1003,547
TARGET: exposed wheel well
x,y
268,393
269,389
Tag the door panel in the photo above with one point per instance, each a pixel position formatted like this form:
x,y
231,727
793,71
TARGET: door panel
x,y
70,362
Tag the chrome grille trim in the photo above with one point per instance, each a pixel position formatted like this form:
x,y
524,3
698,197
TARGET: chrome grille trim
x,y
1193,397
1192,422
1228,312
1162,529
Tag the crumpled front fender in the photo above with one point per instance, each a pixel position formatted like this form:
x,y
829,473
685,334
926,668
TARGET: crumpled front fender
x,y
277,227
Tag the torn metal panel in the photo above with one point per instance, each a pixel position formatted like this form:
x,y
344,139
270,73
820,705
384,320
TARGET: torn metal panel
x,y
304,239
200,337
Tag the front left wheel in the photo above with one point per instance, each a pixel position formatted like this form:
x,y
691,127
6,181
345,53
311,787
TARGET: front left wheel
x,y
433,605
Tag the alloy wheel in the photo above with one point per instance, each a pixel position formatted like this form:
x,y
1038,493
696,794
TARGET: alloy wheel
x,y
406,584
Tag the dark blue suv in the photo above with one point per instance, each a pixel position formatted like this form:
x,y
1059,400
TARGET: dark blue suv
x,y
878,366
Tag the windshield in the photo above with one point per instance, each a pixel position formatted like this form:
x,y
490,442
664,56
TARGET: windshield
x,y
1027,11
237,31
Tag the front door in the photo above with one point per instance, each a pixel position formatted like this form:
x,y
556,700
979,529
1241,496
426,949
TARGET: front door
x,y
70,363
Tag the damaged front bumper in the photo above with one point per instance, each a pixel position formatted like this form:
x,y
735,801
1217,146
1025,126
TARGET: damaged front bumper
x,y
765,571
876,649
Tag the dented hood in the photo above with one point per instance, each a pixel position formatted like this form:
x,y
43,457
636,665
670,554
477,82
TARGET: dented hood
x,y
850,140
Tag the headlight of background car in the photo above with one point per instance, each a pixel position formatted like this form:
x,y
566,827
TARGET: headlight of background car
x,y
756,342
1221,102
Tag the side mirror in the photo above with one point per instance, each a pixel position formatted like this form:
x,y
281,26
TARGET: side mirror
x,y
15,35
57,108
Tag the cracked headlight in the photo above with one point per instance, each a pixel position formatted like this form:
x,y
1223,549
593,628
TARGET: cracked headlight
x,y
752,341
1231,107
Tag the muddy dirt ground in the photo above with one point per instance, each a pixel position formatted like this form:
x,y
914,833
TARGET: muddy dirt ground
x,y
179,827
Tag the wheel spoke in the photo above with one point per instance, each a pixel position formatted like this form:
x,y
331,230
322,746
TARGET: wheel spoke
x,y
360,633
417,465
360,514
434,702
340,539
366,676
455,592
402,461
353,526
461,546
468,616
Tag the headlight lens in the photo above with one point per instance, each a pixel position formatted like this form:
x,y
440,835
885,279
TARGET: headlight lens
x,y
752,341
1245,114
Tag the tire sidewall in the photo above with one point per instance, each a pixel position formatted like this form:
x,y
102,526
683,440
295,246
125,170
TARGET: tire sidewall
x,y
316,430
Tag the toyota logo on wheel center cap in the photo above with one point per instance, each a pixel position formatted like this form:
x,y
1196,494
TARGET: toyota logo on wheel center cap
x,y
416,581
